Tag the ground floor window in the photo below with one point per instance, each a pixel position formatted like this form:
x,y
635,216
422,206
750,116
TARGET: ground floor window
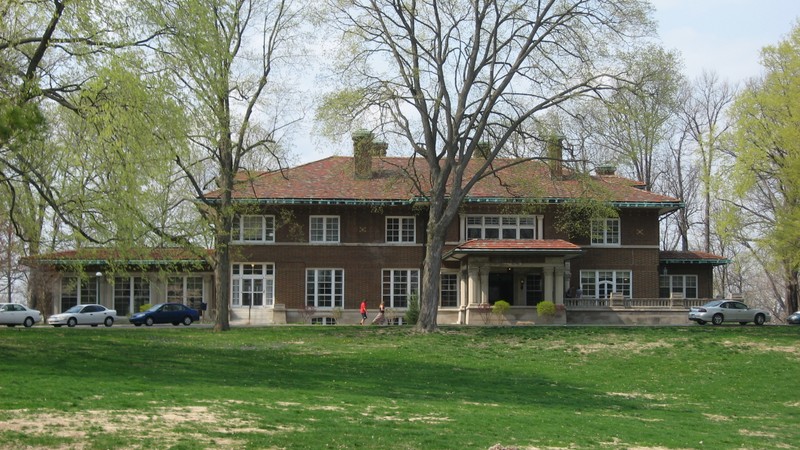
x,y
602,283
253,285
323,321
75,291
130,293
683,285
325,288
398,286
448,290
187,290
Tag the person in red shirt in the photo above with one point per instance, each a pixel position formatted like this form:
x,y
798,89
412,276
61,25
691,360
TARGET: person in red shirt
x,y
363,311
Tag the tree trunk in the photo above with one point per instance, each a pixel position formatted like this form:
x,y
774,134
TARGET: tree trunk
x,y
429,295
792,292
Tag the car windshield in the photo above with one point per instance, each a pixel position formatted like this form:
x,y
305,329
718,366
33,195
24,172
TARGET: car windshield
x,y
155,307
74,309
714,303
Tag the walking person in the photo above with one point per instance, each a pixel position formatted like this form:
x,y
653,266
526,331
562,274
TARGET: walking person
x,y
380,319
363,311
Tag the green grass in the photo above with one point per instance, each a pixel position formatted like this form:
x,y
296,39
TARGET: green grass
x,y
370,387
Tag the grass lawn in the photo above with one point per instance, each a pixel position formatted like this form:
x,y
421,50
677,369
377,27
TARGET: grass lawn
x,y
386,387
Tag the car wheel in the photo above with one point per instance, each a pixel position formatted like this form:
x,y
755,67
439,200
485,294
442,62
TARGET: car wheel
x,y
109,321
187,321
717,319
28,322
10,325
701,322
72,322
148,321
759,320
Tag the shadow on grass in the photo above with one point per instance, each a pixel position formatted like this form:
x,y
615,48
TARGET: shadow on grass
x,y
71,366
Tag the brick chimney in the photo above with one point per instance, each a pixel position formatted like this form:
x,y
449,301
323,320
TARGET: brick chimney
x,y
364,148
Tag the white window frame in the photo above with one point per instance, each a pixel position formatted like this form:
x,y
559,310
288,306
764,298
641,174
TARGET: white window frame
x,y
606,232
593,282
134,296
245,278
84,291
332,279
181,295
398,285
323,321
455,288
329,236
672,286
404,225
266,228
502,224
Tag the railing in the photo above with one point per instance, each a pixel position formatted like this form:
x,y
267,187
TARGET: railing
x,y
634,303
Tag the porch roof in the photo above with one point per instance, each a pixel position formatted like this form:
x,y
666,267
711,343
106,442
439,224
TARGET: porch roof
x,y
692,257
514,247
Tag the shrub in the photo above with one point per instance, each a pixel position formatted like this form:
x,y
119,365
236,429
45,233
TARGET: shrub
x,y
412,313
500,308
546,308
337,314
145,307
485,311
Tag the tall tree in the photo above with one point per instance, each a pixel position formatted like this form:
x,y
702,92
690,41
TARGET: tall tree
x,y
766,170
705,116
226,56
450,77
635,122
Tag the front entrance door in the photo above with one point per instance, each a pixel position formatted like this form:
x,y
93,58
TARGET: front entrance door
x,y
534,289
501,287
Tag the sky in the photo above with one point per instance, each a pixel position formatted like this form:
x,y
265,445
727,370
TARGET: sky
x,y
724,36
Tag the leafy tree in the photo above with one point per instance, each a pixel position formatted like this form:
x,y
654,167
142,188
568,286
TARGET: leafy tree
x,y
636,121
226,58
706,122
455,78
766,169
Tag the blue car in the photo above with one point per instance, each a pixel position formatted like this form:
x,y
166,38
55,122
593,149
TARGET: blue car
x,y
173,313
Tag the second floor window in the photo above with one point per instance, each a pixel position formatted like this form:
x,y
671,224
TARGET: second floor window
x,y
324,229
502,227
253,229
605,232
401,230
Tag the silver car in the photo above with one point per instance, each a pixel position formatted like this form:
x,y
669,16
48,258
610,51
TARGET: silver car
x,y
93,315
12,314
719,311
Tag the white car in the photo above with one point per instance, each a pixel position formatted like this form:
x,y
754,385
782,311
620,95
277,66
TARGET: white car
x,y
719,311
15,314
91,314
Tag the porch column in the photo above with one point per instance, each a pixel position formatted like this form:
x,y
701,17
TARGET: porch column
x,y
559,285
548,283
474,287
484,285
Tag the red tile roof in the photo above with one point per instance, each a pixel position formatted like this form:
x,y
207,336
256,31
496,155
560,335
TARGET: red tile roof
x,y
139,256
518,246
692,257
333,179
